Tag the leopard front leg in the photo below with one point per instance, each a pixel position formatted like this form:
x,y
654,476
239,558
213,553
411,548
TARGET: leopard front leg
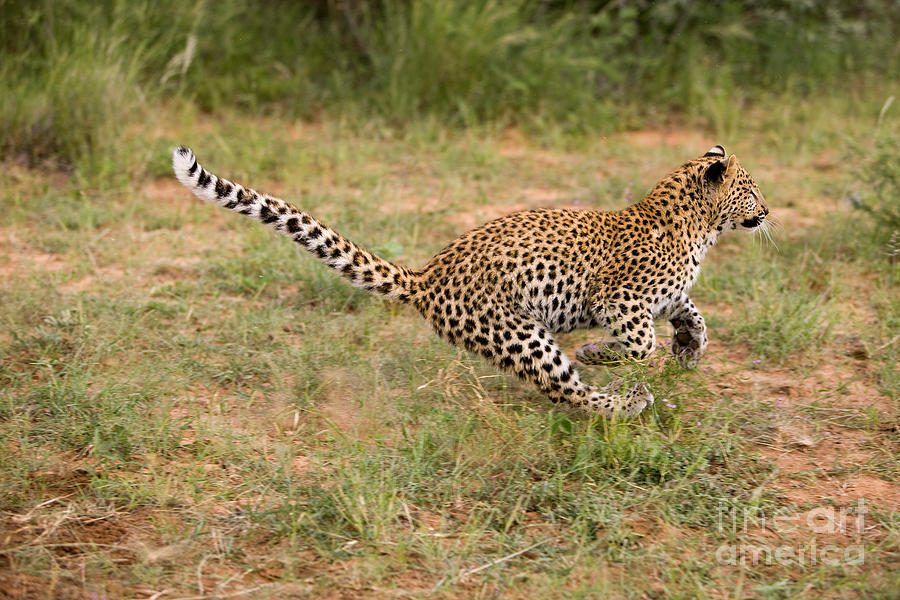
x,y
689,340
632,327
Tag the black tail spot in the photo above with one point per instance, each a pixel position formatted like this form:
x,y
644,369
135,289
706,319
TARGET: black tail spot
x,y
222,189
266,215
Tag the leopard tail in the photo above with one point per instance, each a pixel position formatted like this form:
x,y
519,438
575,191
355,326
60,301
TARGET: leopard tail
x,y
362,268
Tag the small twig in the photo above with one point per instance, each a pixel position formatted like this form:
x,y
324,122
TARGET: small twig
x,y
446,581
231,595
889,343
200,573
408,516
66,545
355,33
27,516
230,579
494,563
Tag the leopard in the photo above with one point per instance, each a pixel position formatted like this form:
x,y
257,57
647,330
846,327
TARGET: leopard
x,y
504,289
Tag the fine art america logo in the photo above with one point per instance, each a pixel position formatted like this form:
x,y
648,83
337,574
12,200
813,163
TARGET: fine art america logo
x,y
829,522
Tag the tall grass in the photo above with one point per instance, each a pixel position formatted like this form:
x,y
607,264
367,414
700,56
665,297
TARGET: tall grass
x,y
476,61
77,72
71,101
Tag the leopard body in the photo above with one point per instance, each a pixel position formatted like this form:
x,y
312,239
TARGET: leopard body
x,y
505,288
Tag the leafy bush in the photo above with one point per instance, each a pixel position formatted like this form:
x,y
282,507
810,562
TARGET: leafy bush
x,y
68,96
880,174
878,192
76,72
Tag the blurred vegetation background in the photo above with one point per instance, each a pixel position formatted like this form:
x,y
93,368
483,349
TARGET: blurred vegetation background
x,y
192,406
76,73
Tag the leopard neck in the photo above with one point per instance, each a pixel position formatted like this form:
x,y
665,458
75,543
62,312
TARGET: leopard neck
x,y
678,210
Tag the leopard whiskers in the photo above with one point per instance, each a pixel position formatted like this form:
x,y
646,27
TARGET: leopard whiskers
x,y
765,233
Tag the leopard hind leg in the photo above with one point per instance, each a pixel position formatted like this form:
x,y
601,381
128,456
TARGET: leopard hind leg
x,y
527,349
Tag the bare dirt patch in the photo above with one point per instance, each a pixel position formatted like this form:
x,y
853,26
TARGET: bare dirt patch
x,y
514,144
102,276
21,259
688,139
342,407
167,190
488,212
22,586
819,458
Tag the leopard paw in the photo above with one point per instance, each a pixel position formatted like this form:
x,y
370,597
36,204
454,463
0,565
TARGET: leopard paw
x,y
614,400
688,346
599,353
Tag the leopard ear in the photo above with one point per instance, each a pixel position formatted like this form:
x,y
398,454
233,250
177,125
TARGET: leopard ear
x,y
717,150
732,167
716,171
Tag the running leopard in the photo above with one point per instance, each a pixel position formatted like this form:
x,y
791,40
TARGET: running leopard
x,y
504,289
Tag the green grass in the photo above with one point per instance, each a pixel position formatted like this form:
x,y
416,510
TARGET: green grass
x,y
781,314
192,407
188,403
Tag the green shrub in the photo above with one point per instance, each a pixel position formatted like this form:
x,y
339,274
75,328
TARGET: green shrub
x,y
76,72
73,103
880,177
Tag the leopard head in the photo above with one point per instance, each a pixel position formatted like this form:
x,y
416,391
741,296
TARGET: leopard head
x,y
739,201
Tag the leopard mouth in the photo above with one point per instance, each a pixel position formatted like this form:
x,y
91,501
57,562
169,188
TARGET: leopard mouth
x,y
751,223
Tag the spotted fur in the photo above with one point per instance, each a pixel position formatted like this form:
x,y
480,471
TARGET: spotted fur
x,y
503,289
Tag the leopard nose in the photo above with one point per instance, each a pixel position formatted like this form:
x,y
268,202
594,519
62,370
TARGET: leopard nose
x,y
765,211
